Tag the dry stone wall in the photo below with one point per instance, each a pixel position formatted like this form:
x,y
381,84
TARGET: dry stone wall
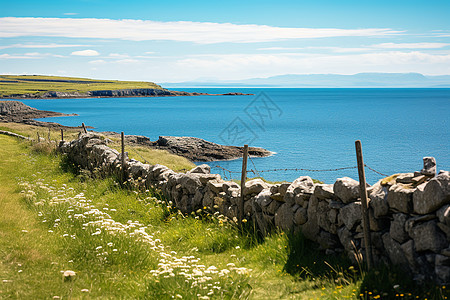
x,y
409,213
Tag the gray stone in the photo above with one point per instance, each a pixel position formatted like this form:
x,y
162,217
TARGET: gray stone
x,y
311,228
324,191
327,240
346,189
397,229
444,214
273,207
430,196
284,217
190,183
350,215
405,178
429,166
202,169
399,198
446,252
299,190
394,251
443,274
301,216
410,254
215,186
445,229
255,186
204,178
427,236
378,200
345,237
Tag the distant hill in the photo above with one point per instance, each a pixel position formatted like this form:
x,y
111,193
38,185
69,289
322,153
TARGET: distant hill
x,y
360,80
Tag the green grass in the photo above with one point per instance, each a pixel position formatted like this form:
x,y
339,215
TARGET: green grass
x,y
21,84
50,227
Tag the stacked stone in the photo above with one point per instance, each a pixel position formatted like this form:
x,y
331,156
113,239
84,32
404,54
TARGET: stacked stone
x,y
409,213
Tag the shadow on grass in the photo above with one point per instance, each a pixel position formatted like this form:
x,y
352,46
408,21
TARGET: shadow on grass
x,y
305,260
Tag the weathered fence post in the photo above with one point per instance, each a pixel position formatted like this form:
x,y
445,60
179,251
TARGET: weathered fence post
x,y
123,155
38,137
62,135
49,134
84,127
364,204
243,178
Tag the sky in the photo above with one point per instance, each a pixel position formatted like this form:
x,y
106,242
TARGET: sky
x,y
176,41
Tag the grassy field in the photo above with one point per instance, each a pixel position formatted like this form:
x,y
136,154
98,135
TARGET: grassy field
x,y
120,243
38,85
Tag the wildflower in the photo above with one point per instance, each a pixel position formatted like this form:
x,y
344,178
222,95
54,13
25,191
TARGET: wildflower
x,y
69,275
85,291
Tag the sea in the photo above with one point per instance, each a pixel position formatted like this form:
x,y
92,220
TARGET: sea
x,y
311,131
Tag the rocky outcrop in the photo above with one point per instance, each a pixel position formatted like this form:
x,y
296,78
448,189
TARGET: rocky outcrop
x,y
197,149
410,225
16,111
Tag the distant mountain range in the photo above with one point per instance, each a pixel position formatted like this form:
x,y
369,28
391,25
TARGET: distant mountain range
x,y
360,80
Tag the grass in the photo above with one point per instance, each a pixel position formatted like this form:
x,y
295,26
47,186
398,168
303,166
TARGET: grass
x,y
23,84
51,227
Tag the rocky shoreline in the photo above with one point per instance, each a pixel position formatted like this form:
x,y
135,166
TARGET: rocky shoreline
x,y
144,92
194,149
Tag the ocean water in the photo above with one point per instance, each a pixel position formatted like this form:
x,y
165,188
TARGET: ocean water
x,y
305,128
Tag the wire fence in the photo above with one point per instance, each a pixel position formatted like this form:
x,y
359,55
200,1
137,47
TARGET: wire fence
x,y
228,174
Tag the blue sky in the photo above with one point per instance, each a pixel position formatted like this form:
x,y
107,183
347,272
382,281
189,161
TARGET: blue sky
x,y
171,41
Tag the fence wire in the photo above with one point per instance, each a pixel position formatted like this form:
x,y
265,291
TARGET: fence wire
x,y
258,172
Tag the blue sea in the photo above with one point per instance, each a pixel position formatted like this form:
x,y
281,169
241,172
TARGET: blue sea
x,y
312,129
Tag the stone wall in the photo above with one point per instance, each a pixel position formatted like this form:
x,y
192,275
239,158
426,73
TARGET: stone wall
x,y
409,213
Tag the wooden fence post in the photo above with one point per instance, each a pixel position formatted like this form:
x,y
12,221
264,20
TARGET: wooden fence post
x,y
38,137
84,127
364,204
243,179
123,156
62,135
49,134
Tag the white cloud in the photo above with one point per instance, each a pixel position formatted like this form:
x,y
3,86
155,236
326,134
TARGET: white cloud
x,y
410,45
8,56
70,14
118,55
198,32
87,52
52,45
97,62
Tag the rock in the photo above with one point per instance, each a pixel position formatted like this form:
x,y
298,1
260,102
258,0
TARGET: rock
x,y
443,214
429,166
202,169
346,189
190,183
410,254
430,196
284,217
394,251
345,237
299,190
445,229
255,186
427,236
327,240
300,216
405,178
443,274
350,215
397,228
215,186
196,149
311,228
324,191
400,197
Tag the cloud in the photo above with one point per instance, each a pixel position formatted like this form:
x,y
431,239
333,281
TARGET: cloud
x,y
87,52
97,62
410,45
70,14
197,32
38,46
118,55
